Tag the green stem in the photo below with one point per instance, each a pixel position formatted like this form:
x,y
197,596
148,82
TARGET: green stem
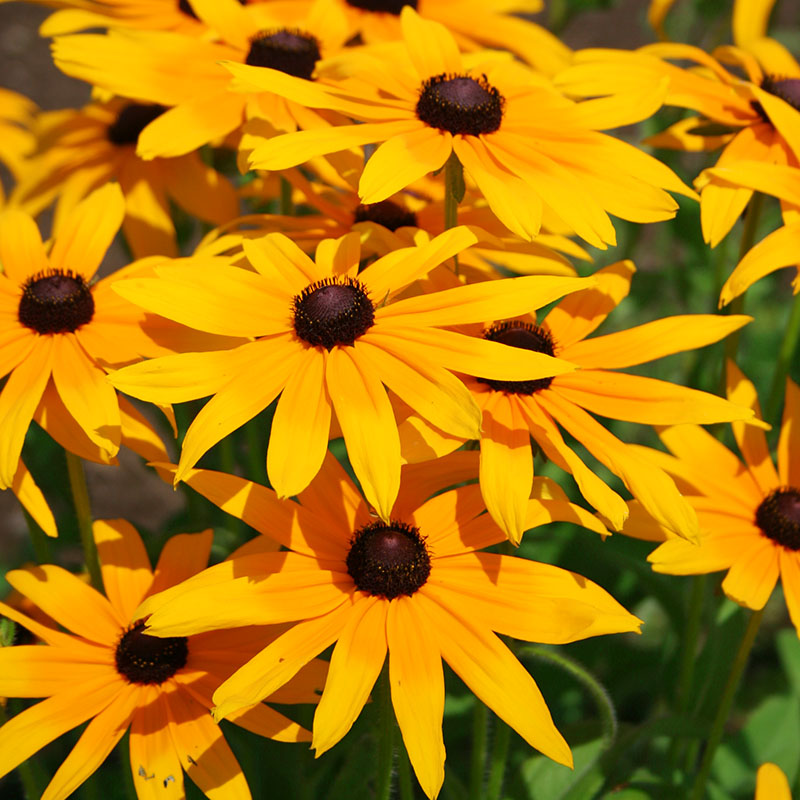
x,y
83,511
286,204
602,699
788,346
480,735
498,761
694,617
386,725
256,449
736,305
725,703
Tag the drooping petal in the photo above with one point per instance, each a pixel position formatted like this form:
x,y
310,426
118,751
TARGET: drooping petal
x,y
124,564
355,665
368,424
301,426
70,602
417,683
33,501
495,676
96,742
280,661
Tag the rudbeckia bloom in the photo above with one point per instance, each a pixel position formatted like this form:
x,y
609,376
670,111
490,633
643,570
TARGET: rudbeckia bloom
x,y
515,411
80,150
778,249
528,149
413,586
749,512
757,119
331,339
107,670
58,332
184,73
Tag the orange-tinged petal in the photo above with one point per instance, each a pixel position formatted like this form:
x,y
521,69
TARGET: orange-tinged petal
x,y
355,665
86,392
749,22
46,633
494,675
33,501
277,663
577,315
527,600
204,754
479,302
15,345
278,258
652,340
185,376
238,401
98,739
423,481
775,251
138,434
86,235
790,579
783,117
402,160
710,554
70,602
441,519
229,19
430,390
35,671
30,730
432,48
750,439
301,426
265,721
417,683
339,256
18,401
148,223
22,253
617,395
367,421
753,574
506,464
155,766
124,564
183,556
789,442
771,782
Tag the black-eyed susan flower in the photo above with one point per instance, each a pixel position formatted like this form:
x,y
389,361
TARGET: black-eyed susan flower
x,y
59,331
748,512
106,670
752,119
183,73
515,411
777,250
414,586
80,150
527,148
330,339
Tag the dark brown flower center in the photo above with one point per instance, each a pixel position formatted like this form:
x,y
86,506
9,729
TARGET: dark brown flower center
x,y
388,560
460,104
526,336
55,302
131,121
335,311
385,6
141,658
778,517
788,89
386,213
290,51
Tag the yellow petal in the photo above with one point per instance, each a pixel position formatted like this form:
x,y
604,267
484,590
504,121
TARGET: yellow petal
x,y
432,48
789,442
183,556
32,499
22,253
753,574
771,782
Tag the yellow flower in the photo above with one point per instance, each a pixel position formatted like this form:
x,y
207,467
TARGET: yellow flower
x,y
184,74
413,586
772,784
329,338
515,411
756,119
780,248
59,332
80,150
16,140
529,150
108,671
749,513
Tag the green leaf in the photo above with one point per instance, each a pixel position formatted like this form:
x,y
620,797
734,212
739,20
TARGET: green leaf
x,y
547,780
